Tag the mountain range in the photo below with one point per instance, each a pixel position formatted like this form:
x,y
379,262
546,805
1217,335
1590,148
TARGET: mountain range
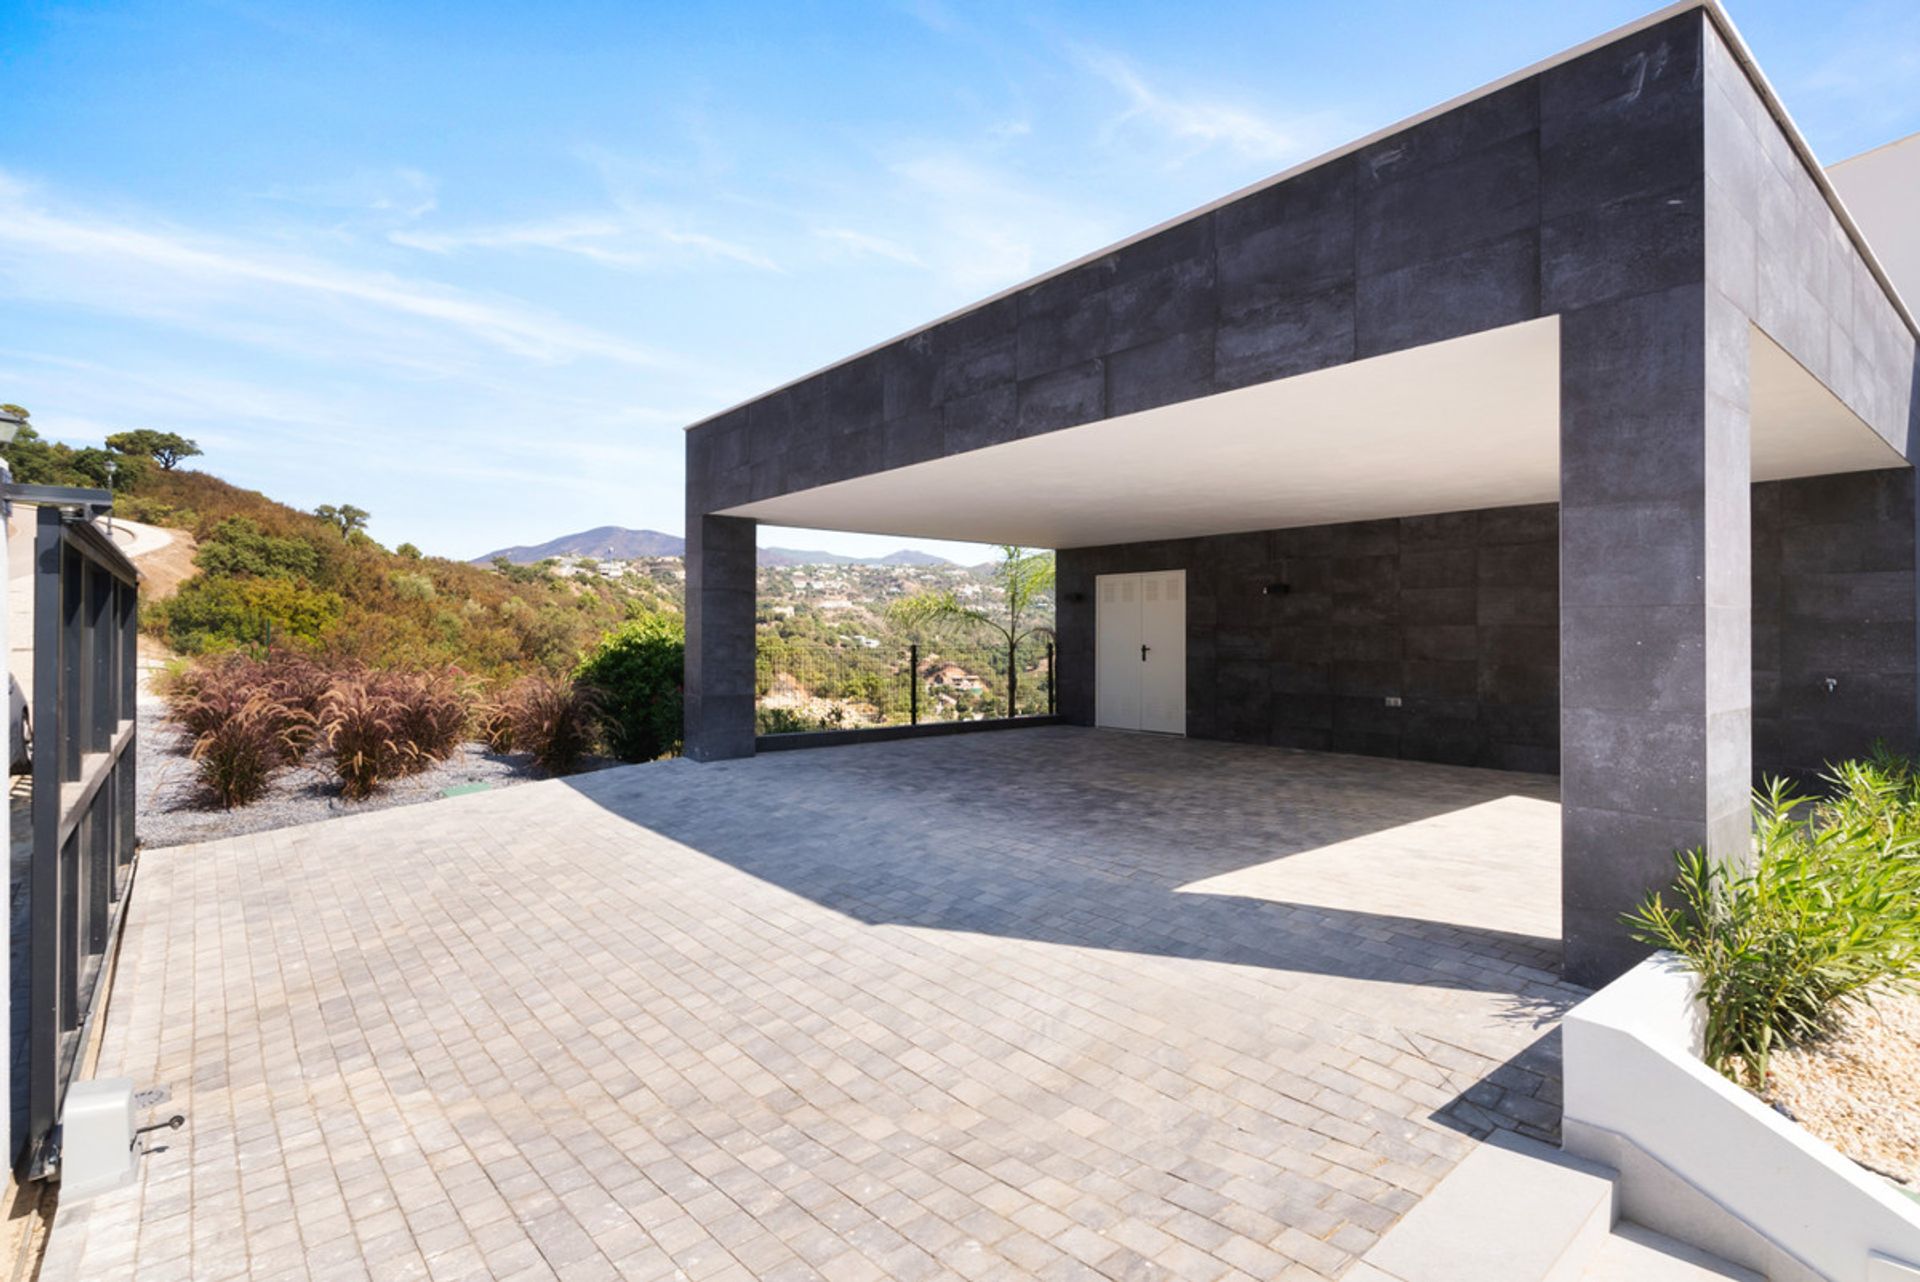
x,y
615,543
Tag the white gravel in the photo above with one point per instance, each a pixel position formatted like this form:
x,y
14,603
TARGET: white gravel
x,y
173,811
1859,1088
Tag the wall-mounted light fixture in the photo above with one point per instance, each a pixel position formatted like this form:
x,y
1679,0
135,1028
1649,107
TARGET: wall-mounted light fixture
x,y
1276,589
1075,598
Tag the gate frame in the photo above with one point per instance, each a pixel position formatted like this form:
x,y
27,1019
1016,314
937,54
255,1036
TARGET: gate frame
x,y
84,707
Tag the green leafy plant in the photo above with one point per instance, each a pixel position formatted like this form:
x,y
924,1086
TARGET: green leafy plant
x,y
785,721
238,545
215,612
637,670
1826,911
556,721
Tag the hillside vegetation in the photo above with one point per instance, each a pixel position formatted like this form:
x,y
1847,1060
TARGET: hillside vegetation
x,y
272,574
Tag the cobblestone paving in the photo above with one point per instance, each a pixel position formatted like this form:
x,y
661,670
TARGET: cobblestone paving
x,y
1052,1003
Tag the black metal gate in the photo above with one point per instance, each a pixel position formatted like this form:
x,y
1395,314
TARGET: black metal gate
x,y
85,630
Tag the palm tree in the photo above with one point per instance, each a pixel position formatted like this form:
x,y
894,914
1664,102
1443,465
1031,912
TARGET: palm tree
x,y
1025,575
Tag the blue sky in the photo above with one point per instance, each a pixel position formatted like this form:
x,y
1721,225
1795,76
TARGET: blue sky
x,y
473,267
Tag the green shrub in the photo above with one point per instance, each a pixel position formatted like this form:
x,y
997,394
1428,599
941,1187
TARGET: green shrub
x,y
1827,910
637,669
411,586
151,511
784,721
238,756
555,720
238,546
218,612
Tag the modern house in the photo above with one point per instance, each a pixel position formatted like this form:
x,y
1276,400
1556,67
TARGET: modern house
x,y
1565,427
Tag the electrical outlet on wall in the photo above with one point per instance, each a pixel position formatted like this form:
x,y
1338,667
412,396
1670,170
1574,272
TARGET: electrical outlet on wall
x,y
1393,701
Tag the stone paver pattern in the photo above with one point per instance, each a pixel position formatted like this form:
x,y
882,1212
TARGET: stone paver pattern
x,y
1052,1003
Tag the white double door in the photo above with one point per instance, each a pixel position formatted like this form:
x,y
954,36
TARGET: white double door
x,y
1140,651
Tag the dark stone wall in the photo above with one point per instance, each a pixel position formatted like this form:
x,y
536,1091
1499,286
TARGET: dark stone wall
x,y
1778,253
1571,187
1457,615
1645,165
1641,193
1833,596
721,585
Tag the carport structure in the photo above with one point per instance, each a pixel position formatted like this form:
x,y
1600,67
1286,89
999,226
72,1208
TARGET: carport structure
x,y
1567,425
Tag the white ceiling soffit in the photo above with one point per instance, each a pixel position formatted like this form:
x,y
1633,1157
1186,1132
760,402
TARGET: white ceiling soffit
x,y
1802,429
1473,422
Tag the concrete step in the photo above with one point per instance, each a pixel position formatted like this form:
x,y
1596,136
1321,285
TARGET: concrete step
x,y
1632,1253
1519,1211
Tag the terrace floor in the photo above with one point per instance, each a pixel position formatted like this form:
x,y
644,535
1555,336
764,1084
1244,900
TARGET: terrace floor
x,y
1053,1003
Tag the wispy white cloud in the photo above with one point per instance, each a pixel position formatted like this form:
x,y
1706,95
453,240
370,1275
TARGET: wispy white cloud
x,y
935,15
626,240
1196,123
859,244
1868,61
401,193
986,227
256,293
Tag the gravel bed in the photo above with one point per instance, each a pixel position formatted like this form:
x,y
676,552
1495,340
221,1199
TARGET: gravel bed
x,y
173,811
1859,1089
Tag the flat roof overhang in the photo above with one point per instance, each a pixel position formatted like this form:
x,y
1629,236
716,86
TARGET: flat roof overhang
x,y
1473,422
1715,12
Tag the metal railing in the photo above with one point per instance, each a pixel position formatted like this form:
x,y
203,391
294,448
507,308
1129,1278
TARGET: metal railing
x,y
849,684
85,634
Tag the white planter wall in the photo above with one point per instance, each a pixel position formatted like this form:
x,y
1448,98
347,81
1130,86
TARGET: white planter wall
x,y
1723,1169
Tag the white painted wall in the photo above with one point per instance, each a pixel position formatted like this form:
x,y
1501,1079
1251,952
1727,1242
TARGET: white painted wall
x,y
1881,189
1634,1075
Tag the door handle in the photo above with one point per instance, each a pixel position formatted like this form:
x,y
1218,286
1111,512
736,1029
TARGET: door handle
x,y
1143,652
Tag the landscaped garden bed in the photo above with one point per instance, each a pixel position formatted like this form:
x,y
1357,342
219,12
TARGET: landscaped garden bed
x,y
241,742
175,810
1755,1082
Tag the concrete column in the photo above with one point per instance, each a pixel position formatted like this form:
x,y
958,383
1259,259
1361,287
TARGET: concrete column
x,y
1655,631
720,644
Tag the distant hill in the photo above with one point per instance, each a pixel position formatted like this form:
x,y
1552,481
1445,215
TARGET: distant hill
x,y
794,556
614,543
604,543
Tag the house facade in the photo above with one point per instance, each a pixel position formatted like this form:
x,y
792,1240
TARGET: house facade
x,y
1566,427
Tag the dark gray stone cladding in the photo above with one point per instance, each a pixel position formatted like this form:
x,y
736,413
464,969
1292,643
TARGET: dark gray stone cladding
x,y
1639,192
1547,196
1833,597
1456,615
1645,165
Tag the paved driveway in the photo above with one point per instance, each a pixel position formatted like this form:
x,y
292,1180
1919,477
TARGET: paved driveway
x,y
1053,1003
